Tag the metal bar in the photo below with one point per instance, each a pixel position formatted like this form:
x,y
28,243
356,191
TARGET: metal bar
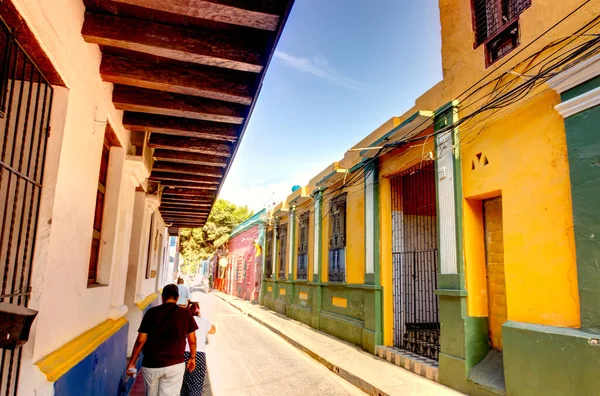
x,y
26,277
26,188
26,133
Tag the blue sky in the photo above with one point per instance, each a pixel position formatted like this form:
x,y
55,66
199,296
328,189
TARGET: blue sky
x,y
341,69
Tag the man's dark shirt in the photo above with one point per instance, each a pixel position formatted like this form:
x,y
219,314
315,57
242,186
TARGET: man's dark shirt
x,y
167,327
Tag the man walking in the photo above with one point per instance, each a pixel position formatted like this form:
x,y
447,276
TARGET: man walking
x,y
184,294
161,337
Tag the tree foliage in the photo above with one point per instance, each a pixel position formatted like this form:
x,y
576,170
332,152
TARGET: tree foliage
x,y
197,244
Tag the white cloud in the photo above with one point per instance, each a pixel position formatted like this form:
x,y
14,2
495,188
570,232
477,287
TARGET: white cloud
x,y
320,67
258,194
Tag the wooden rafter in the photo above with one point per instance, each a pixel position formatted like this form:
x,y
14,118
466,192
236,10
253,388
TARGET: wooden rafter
x,y
189,158
239,12
188,191
189,185
170,104
173,213
230,86
166,41
198,170
178,177
191,145
179,126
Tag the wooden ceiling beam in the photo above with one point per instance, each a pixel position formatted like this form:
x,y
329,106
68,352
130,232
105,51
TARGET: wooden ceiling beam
x,y
184,212
182,215
171,213
190,202
191,145
179,126
197,199
170,104
185,206
178,177
189,158
186,45
198,170
188,191
169,183
229,86
254,14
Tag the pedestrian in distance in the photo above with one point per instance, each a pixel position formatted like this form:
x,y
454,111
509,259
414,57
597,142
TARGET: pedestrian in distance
x,y
184,294
193,381
162,337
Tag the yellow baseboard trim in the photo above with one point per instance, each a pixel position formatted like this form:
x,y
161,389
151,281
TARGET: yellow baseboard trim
x,y
57,363
146,301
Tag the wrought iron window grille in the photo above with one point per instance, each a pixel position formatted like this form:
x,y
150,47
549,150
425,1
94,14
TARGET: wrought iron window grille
x,y
303,223
496,25
269,255
282,242
25,108
337,239
414,260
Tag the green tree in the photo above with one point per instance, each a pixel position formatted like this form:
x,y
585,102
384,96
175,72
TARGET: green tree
x,y
197,244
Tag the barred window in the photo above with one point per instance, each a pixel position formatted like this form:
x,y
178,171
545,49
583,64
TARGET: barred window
x,y
282,242
269,255
302,270
337,239
496,25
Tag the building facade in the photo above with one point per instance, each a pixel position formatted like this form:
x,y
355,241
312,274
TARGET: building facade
x,y
245,258
458,240
106,151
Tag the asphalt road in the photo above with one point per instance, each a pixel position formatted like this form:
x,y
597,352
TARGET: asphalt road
x,y
246,359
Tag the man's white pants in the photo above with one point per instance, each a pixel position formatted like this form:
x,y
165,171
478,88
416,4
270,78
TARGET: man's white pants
x,y
164,381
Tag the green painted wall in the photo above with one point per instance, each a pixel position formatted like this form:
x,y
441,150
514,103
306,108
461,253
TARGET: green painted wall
x,y
550,361
583,142
355,323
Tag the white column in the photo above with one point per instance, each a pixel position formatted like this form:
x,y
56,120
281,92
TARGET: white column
x,y
369,222
135,172
447,203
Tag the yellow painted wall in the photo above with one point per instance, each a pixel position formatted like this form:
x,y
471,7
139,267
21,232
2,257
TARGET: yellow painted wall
x,y
463,66
528,164
355,234
385,244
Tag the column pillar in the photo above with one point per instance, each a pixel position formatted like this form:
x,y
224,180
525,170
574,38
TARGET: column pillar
x,y
371,177
262,241
134,173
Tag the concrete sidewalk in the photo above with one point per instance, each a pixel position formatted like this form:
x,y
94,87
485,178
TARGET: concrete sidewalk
x,y
368,372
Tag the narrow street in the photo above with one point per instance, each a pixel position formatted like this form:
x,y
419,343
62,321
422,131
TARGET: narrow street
x,y
244,358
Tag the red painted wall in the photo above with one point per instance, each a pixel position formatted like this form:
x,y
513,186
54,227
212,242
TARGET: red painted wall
x,y
245,275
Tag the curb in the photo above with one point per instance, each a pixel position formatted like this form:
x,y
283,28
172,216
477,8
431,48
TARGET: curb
x,y
361,384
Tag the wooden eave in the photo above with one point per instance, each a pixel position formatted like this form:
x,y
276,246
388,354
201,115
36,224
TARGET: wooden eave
x,y
186,74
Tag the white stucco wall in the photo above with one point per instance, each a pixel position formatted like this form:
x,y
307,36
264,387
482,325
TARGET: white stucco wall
x,y
67,307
